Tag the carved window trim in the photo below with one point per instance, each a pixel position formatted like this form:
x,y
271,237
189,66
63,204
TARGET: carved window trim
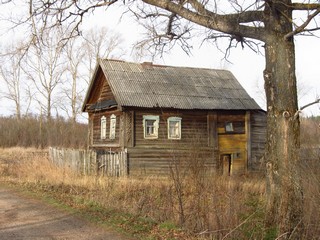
x,y
174,128
150,126
113,125
103,127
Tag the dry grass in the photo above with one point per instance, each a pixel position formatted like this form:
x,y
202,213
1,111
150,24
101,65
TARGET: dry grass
x,y
211,207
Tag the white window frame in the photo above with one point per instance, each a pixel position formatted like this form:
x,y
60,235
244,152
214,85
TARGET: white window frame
x,y
155,126
178,120
103,127
113,125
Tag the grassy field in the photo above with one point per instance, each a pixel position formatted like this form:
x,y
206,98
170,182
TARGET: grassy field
x,y
185,205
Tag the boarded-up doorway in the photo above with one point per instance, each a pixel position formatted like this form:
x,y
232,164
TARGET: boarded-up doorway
x,y
226,163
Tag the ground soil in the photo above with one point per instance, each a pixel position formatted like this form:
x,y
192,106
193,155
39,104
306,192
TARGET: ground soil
x,y
23,217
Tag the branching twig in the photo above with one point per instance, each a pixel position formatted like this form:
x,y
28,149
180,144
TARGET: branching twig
x,y
305,106
310,104
302,28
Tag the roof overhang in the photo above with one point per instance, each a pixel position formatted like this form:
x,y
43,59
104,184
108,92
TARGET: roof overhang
x,y
102,105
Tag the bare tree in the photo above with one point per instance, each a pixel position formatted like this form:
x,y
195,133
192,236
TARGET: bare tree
x,y
81,55
11,75
45,68
14,81
244,23
101,43
72,90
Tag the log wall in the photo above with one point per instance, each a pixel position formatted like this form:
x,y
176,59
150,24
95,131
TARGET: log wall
x,y
96,129
157,156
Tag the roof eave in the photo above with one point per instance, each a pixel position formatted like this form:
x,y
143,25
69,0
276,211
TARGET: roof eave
x,y
84,105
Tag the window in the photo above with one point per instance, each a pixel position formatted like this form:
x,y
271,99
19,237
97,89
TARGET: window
x,y
150,126
234,127
174,128
229,127
103,126
113,122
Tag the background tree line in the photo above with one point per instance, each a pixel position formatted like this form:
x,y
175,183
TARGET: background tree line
x,y
38,132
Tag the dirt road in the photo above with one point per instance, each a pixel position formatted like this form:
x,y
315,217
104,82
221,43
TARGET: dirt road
x,y
22,217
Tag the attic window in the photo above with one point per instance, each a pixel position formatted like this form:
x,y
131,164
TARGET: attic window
x,y
174,128
229,127
150,126
113,122
103,127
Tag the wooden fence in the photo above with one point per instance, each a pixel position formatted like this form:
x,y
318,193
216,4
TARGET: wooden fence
x,y
90,162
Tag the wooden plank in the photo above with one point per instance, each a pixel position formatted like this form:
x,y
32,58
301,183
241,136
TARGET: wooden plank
x,y
248,134
129,134
89,162
233,143
158,161
258,139
215,132
212,130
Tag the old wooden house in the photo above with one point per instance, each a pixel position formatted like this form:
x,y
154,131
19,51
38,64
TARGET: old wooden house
x,y
163,115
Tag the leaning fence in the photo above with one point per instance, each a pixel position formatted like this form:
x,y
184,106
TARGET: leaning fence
x,y
90,162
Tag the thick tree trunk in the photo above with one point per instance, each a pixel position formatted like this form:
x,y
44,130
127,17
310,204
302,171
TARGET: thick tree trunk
x,y
284,211
284,191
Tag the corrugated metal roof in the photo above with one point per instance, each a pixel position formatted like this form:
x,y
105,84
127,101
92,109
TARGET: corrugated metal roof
x,y
147,85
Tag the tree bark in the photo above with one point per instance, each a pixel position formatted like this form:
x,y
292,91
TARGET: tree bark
x,y
284,191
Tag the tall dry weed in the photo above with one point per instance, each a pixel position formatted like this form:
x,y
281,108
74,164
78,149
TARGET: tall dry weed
x,y
214,207
311,185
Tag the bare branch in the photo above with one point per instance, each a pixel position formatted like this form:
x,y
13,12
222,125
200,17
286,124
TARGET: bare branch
x,y
310,104
302,27
228,23
305,6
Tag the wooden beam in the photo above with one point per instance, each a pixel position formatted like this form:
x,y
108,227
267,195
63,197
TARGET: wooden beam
x,y
129,135
248,136
212,130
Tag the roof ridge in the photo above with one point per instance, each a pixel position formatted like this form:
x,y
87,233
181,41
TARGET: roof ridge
x,y
147,63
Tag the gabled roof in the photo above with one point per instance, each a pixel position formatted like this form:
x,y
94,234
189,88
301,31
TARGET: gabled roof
x,y
149,86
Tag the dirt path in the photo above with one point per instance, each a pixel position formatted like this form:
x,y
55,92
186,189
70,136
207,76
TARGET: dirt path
x,y
22,217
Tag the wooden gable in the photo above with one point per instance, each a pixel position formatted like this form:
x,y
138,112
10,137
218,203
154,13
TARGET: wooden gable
x,y
99,90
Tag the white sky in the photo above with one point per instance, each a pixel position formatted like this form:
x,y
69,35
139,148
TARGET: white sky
x,y
246,65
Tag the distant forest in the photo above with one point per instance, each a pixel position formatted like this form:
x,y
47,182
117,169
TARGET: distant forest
x,y
34,131
310,131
